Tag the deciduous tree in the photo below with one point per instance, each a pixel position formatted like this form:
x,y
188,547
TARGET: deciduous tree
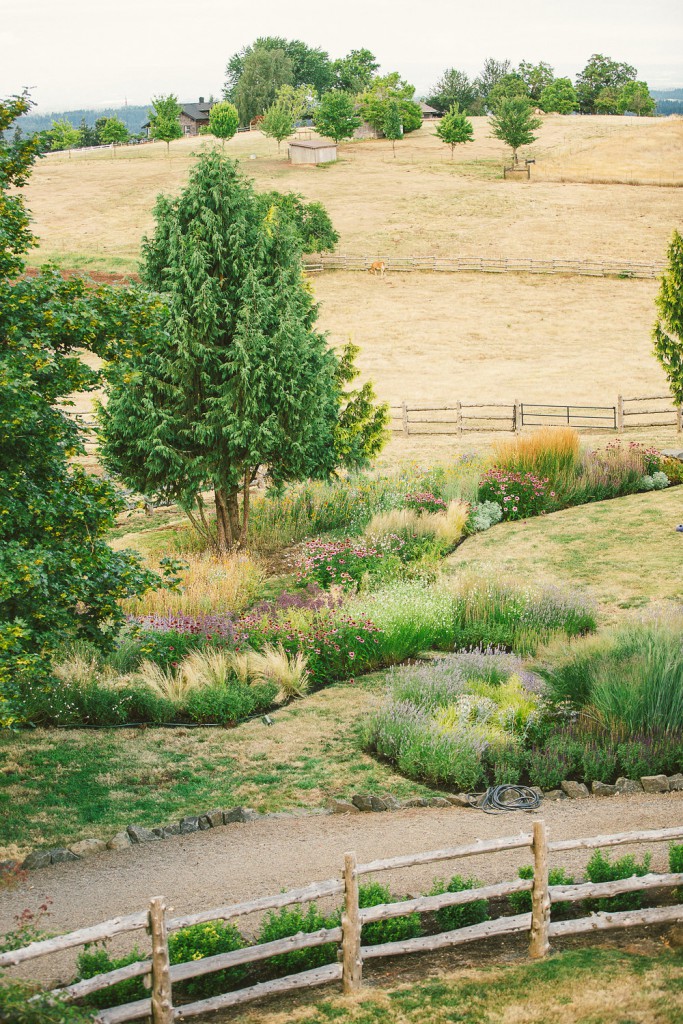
x,y
491,74
336,116
536,77
164,120
113,133
311,221
509,87
635,98
559,97
263,72
392,126
455,128
601,73
668,330
63,135
278,123
514,123
455,87
376,101
354,72
224,120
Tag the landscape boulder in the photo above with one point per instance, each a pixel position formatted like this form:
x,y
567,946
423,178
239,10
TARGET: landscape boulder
x,y
574,790
416,801
555,794
189,824
212,819
119,842
602,789
655,783
37,859
675,782
439,801
61,855
140,834
628,785
237,814
338,805
362,801
86,847
391,802
166,831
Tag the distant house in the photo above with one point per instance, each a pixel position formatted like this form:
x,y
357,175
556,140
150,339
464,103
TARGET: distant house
x,y
312,151
193,116
428,113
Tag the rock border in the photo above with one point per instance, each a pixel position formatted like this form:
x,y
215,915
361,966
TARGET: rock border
x,y
359,803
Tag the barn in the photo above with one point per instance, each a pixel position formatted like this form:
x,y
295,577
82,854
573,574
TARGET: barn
x,y
312,151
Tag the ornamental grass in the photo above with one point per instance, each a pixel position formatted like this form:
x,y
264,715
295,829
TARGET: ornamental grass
x,y
208,585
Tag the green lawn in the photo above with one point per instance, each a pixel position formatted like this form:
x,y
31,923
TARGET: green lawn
x,y
61,785
587,986
625,552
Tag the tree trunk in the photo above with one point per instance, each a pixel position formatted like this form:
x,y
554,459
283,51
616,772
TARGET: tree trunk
x,y
233,510
224,534
245,509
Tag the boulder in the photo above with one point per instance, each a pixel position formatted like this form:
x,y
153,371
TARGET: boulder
x,y
390,800
61,855
675,782
574,790
338,805
555,794
119,842
189,824
166,831
37,859
655,783
362,801
628,786
212,819
239,814
459,800
378,804
86,847
439,801
139,834
416,801
602,789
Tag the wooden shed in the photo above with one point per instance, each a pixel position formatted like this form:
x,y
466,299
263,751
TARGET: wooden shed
x,y
312,151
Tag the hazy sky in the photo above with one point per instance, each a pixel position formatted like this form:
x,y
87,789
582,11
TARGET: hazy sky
x,y
80,53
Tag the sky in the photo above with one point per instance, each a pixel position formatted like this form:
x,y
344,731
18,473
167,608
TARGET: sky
x,y
76,53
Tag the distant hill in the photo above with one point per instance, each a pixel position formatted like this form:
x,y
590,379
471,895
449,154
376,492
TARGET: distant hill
x,y
667,94
132,117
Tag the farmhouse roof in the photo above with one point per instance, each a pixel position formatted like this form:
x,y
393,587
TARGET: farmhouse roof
x,y
313,143
196,111
426,109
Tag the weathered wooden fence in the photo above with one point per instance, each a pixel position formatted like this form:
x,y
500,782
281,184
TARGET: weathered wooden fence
x,y
160,975
317,262
488,417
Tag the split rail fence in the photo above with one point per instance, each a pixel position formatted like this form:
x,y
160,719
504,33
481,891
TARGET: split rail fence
x,y
160,976
318,262
489,417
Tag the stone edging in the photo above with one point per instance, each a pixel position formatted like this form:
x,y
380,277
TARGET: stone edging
x,y
135,835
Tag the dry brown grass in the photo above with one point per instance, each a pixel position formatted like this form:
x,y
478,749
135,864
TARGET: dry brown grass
x,y
208,585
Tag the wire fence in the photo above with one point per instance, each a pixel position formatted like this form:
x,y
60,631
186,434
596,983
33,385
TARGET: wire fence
x,y
316,263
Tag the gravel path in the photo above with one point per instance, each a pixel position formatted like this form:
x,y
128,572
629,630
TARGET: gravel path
x,y
240,861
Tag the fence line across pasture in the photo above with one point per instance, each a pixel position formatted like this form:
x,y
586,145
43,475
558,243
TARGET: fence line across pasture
x,y
159,974
511,417
318,262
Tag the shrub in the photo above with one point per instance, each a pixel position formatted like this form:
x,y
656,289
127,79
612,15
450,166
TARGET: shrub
x,y
23,1003
548,768
599,762
673,468
484,515
204,940
520,902
676,858
96,704
341,563
451,918
92,962
166,647
372,894
601,869
520,495
290,921
506,764
228,705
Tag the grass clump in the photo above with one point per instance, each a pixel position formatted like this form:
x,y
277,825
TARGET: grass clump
x,y
230,583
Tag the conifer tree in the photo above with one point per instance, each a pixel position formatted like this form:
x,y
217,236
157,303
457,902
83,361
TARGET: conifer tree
x,y
668,330
240,379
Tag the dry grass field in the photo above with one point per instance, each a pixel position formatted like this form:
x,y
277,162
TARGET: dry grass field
x,y
428,338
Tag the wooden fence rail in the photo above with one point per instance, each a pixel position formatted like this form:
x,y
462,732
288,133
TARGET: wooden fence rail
x,y
318,262
486,417
161,975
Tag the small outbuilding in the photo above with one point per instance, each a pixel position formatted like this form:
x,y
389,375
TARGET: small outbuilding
x,y
312,151
429,113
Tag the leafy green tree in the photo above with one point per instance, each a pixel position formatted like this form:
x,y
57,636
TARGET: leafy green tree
x,y
601,73
490,75
309,66
336,116
278,123
455,128
536,77
354,72
297,99
87,135
224,121
263,73
668,330
59,579
311,221
514,123
509,87
241,379
455,88
635,98
377,100
607,100
392,125
63,135
113,133
559,97
164,120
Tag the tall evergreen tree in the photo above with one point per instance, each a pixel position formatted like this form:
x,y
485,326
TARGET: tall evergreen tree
x,y
241,379
668,330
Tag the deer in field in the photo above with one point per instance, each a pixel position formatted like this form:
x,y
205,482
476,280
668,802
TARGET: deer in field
x,y
378,267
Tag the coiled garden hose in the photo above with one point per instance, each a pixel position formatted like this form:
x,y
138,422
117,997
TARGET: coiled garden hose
x,y
506,798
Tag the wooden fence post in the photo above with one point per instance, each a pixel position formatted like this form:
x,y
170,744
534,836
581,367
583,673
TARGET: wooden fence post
x,y
620,413
540,897
679,419
404,411
352,964
162,1003
458,416
517,417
